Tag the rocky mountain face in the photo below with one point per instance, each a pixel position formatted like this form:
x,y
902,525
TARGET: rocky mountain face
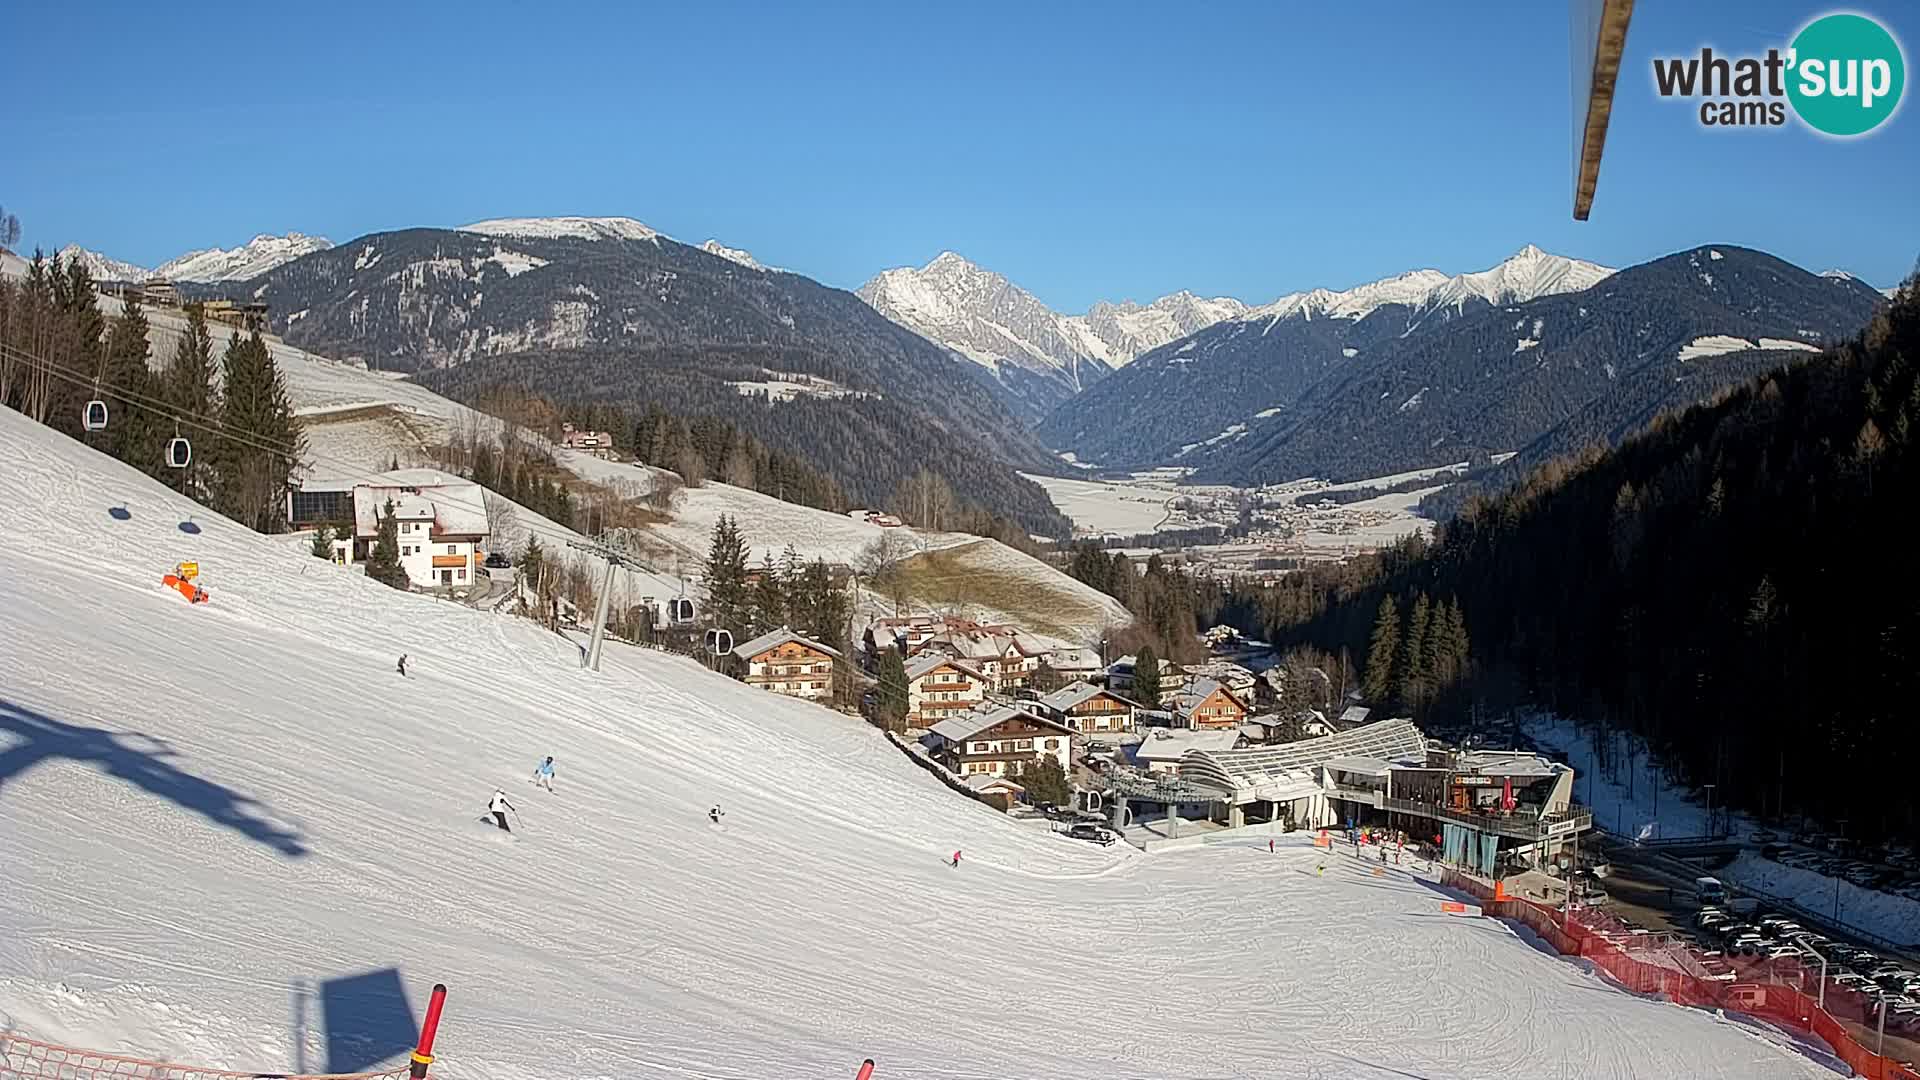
x,y
102,267
251,259
1036,356
255,257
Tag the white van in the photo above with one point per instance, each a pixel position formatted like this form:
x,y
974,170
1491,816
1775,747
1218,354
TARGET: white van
x,y
1708,890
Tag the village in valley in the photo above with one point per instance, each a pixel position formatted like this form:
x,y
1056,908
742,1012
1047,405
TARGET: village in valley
x,y
1071,735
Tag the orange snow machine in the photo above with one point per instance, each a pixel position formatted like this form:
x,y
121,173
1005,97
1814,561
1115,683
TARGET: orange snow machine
x,y
182,580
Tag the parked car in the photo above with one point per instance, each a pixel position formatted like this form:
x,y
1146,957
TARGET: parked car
x,y
496,561
1764,836
1091,833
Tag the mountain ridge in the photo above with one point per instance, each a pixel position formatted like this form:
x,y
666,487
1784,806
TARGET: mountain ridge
x,y
1546,375
1036,356
1194,392
611,310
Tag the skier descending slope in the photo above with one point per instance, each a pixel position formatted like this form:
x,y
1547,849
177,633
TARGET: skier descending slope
x,y
714,815
401,667
543,775
498,807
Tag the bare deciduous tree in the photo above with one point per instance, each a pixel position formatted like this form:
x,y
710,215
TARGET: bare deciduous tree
x,y
503,523
882,564
666,487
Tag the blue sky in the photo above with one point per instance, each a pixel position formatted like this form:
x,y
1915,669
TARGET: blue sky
x,y
1085,150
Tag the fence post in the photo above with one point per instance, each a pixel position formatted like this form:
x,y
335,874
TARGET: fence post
x,y
423,1054
866,1070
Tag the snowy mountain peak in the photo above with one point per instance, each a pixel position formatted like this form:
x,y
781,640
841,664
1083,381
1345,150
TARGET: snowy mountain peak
x,y
251,259
578,228
101,267
1525,275
732,254
980,315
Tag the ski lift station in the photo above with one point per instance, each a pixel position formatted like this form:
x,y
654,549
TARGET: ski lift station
x,y
1484,804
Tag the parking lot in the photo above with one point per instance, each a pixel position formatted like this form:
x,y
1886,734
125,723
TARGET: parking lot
x,y
1892,869
1747,942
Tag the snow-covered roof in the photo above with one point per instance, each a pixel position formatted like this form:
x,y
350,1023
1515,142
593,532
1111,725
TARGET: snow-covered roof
x,y
1196,694
1076,693
1170,744
456,506
1074,660
922,663
774,639
987,782
1360,765
1520,764
1355,715
968,724
1232,770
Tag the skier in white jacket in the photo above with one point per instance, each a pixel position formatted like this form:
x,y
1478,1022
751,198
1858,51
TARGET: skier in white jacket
x,y
498,807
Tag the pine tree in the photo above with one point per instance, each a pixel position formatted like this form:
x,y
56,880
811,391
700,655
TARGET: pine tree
x,y
1045,781
1415,677
770,606
260,441
891,695
1451,664
322,547
383,562
1046,678
829,609
533,562
133,436
188,388
1382,649
869,650
1146,677
727,601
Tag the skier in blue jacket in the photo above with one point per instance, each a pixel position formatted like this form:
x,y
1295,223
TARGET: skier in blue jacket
x,y
543,774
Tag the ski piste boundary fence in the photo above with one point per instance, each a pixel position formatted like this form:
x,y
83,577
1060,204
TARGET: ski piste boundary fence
x,y
32,1058
1783,992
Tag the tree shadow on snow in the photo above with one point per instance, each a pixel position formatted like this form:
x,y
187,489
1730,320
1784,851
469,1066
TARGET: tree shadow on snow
x,y
141,761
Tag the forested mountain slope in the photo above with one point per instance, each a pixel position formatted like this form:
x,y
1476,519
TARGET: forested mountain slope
x,y
609,308
1736,583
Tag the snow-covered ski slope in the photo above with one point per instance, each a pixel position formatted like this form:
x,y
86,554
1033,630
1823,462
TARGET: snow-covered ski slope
x,y
208,810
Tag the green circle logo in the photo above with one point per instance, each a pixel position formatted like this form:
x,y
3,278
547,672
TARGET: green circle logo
x,y
1847,74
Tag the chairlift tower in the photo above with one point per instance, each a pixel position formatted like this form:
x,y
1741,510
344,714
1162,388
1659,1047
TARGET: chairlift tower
x,y
615,560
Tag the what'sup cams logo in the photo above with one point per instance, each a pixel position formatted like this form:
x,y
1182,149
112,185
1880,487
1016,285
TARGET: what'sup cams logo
x,y
1842,76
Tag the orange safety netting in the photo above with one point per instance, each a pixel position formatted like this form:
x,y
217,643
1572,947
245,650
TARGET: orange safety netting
x,y
1782,992
49,1061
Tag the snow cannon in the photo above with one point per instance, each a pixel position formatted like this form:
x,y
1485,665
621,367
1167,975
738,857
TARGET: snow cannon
x,y
183,581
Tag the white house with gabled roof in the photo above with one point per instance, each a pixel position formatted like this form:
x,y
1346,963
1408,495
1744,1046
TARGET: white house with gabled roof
x,y
441,524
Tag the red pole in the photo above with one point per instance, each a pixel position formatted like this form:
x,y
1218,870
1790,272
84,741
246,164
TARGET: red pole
x,y
866,1070
423,1054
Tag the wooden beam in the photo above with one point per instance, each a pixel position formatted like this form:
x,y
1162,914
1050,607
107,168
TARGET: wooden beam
x,y
1605,73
